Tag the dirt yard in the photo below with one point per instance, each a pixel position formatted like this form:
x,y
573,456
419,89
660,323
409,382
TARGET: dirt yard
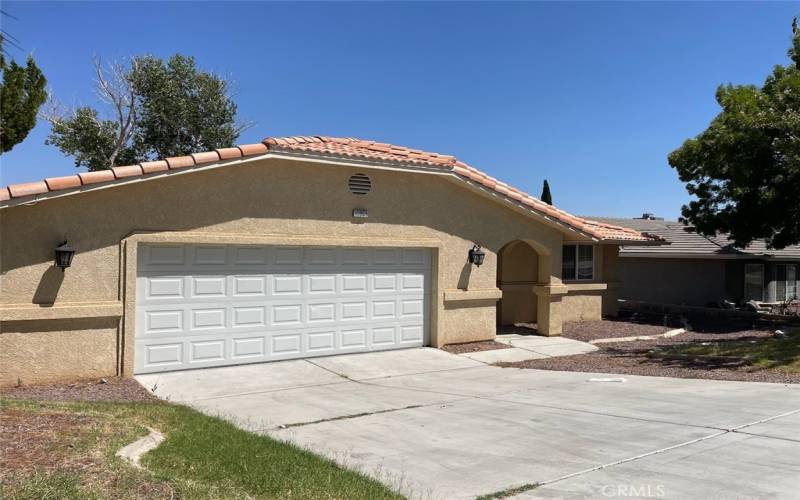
x,y
486,345
110,389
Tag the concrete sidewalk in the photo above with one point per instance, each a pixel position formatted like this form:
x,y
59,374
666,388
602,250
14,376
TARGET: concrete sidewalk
x,y
436,425
524,347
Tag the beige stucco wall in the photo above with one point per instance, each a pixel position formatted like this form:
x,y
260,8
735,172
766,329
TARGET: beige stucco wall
x,y
582,306
41,351
470,322
273,199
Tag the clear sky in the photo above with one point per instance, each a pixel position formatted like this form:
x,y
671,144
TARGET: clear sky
x,y
591,96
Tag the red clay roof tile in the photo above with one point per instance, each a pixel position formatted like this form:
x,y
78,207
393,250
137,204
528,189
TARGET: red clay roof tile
x,y
207,157
127,171
229,153
253,149
149,167
4,194
66,182
96,177
27,189
180,162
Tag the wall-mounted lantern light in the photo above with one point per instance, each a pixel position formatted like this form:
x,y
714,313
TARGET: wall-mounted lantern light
x,y
476,255
64,254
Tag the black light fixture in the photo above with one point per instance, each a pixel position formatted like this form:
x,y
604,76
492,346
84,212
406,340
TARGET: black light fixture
x,y
476,255
64,254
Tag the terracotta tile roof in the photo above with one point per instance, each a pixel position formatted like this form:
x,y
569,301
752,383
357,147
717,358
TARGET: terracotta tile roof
x,y
335,147
358,148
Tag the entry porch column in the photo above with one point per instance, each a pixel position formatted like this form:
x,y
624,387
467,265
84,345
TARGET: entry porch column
x,y
548,301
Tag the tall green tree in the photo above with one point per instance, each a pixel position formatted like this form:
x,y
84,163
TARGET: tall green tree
x,y
22,93
546,196
94,143
158,109
744,169
181,109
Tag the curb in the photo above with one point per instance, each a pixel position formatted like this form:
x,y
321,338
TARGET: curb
x,y
133,452
665,335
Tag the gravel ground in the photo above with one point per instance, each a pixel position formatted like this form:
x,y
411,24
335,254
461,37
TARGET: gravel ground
x,y
609,328
486,345
114,389
631,358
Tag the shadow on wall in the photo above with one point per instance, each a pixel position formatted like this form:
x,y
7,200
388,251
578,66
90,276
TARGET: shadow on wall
x,y
463,278
49,285
59,325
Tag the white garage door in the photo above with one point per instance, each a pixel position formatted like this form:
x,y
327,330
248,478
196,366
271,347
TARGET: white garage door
x,y
202,305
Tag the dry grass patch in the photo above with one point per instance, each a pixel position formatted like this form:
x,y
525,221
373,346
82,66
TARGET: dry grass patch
x,y
47,452
68,450
780,353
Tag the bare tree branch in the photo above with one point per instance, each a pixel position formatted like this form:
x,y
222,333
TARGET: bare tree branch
x,y
53,110
244,125
113,87
233,91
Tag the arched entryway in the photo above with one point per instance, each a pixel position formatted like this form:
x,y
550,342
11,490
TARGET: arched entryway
x,y
517,274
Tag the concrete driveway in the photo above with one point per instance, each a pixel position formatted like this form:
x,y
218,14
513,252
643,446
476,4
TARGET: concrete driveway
x,y
436,425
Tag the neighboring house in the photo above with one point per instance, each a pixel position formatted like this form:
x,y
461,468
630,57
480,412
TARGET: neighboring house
x,y
698,270
290,248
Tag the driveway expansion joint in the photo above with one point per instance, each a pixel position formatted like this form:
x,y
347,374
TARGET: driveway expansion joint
x,y
355,415
328,370
768,436
342,417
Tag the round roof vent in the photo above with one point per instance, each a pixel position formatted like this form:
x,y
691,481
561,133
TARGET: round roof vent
x,y
359,184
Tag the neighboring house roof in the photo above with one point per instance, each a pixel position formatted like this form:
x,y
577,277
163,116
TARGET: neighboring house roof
x,y
325,148
687,244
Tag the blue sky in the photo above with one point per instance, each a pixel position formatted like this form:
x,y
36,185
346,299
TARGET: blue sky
x,y
591,96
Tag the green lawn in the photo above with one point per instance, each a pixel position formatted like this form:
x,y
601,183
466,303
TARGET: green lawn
x,y
774,353
67,450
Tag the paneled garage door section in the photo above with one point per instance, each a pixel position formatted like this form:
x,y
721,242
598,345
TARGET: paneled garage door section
x,y
200,306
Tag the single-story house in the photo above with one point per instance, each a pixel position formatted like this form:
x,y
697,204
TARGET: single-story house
x,y
699,271
289,248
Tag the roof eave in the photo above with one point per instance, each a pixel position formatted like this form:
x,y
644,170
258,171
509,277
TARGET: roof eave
x,y
707,256
637,243
36,198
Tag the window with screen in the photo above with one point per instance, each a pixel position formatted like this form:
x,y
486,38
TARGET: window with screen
x,y
577,262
